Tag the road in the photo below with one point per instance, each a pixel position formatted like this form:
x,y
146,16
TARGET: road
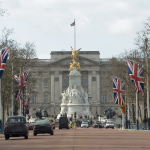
x,y
81,139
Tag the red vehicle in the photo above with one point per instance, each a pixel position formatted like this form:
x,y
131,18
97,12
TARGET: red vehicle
x,y
31,125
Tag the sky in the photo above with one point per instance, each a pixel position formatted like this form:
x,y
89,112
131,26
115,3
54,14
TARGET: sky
x,y
107,26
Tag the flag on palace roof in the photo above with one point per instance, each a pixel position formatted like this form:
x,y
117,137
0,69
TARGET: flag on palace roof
x,y
3,58
136,74
20,83
119,91
73,24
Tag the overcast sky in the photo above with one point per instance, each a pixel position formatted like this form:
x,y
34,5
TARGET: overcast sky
x,y
107,26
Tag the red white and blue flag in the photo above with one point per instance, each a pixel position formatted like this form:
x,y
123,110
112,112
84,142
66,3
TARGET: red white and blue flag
x,y
136,74
119,91
73,24
20,83
3,58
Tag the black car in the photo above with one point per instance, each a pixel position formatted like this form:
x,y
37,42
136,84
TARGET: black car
x,y
31,125
97,124
42,127
63,123
16,126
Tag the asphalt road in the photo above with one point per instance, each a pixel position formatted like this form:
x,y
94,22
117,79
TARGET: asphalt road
x,y
80,139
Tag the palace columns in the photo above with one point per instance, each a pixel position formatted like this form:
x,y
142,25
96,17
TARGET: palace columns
x,y
60,83
90,83
52,86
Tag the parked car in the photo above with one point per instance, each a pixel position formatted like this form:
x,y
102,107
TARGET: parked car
x,y
97,124
52,121
84,124
16,126
31,125
109,124
63,123
42,127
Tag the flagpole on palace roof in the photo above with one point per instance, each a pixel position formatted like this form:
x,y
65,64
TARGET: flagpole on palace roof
x,y
20,99
74,35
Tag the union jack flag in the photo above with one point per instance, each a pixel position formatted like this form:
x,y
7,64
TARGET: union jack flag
x,y
119,91
3,58
136,74
73,24
20,82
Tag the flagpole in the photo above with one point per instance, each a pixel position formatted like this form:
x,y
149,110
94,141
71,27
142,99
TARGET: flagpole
x,y
12,93
0,109
148,112
20,99
74,36
137,117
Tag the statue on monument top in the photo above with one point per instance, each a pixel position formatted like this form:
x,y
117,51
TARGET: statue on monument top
x,y
74,54
74,59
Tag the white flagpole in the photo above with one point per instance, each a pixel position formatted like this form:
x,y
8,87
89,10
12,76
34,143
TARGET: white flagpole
x,y
137,117
20,99
75,36
12,93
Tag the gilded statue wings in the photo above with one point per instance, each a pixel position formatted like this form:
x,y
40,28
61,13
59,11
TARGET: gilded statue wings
x,y
75,51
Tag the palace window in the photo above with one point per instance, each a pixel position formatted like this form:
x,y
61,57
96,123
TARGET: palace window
x,y
103,82
104,98
45,98
34,98
34,83
45,82
84,82
65,82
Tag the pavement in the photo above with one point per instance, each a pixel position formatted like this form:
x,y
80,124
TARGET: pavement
x,y
80,139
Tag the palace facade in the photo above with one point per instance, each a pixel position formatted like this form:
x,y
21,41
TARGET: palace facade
x,y
50,79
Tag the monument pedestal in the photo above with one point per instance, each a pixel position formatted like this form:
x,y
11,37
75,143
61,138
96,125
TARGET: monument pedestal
x,y
75,99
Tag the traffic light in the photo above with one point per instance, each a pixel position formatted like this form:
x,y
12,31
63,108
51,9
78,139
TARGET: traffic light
x,y
75,115
45,113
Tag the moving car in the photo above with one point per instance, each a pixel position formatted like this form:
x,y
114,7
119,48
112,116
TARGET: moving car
x,y
16,126
98,124
42,127
31,125
84,124
63,123
109,124
52,121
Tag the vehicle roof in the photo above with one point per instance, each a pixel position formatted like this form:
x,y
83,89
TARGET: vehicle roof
x,y
42,121
15,116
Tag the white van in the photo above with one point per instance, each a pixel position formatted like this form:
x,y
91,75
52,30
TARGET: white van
x,y
102,119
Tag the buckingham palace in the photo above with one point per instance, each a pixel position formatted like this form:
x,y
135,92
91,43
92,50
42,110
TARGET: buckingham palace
x,y
50,79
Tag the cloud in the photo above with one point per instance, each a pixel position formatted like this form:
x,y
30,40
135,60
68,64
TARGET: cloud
x,y
47,22
121,26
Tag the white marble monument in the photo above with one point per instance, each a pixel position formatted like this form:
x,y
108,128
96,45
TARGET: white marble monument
x,y
75,99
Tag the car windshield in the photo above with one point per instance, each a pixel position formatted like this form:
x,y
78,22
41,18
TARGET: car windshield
x,y
16,120
32,123
42,122
98,122
109,122
84,122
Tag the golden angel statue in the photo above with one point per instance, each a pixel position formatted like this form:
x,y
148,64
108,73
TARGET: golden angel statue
x,y
74,54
